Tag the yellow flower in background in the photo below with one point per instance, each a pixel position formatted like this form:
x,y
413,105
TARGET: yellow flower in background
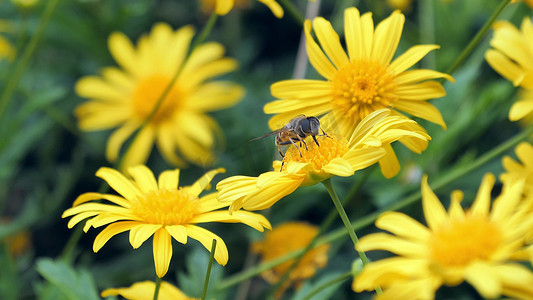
x,y
403,5
145,291
123,97
476,246
334,157
520,170
512,57
208,6
360,81
147,207
284,239
224,6
7,50
25,4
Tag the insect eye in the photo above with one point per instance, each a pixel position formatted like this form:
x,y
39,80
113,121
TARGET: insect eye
x,y
306,125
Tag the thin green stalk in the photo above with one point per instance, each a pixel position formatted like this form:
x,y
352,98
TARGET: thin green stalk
x,y
292,11
157,286
371,218
208,273
25,59
477,39
327,284
200,38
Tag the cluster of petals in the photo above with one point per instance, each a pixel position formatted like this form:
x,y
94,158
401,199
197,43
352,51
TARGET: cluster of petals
x,y
334,157
148,207
125,97
512,57
362,80
481,246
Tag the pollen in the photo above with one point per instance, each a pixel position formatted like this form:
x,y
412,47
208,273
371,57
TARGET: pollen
x,y
362,87
148,92
316,156
461,242
167,207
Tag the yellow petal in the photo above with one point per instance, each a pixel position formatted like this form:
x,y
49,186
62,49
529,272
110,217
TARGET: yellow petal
x,y
95,88
434,212
422,110
166,136
117,138
98,115
311,90
215,96
403,226
109,232
390,243
162,252
85,197
178,232
141,232
413,76
520,109
223,6
317,58
330,42
254,220
275,8
199,185
410,57
386,37
339,166
389,164
359,159
206,238
123,52
484,278
190,80
278,121
503,65
119,183
144,178
140,149
268,195
358,41
235,187
420,91
145,291
456,210
481,205
169,179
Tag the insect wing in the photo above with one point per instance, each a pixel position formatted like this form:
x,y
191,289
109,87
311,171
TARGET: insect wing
x,y
266,135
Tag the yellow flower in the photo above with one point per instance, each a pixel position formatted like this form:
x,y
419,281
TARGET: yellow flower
x,y
7,50
362,81
145,291
334,157
284,239
516,170
512,57
147,207
125,97
224,6
476,246
403,5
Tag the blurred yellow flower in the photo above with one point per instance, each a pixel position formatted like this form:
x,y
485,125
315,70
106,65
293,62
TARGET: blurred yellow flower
x,y
403,5
145,291
125,97
362,81
284,239
25,4
208,6
516,170
7,50
147,207
224,6
512,57
476,246
334,157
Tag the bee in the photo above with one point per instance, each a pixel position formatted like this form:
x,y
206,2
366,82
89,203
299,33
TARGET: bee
x,y
295,131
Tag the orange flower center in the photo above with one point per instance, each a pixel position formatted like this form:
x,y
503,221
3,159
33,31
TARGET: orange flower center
x,y
362,87
316,156
166,207
147,94
463,241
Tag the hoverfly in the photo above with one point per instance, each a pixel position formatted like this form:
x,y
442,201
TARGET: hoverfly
x,y
296,130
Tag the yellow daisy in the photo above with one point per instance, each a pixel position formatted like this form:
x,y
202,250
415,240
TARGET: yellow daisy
x,y
334,157
123,97
516,170
224,6
145,291
147,207
286,238
476,246
362,81
512,57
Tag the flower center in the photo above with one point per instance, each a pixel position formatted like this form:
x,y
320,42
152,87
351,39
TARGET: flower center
x,y
316,156
362,87
462,241
166,207
148,92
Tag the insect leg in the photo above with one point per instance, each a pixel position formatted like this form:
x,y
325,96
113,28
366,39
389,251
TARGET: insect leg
x,y
280,153
314,138
292,142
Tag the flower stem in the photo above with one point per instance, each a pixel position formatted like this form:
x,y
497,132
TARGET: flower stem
x,y
477,39
157,286
342,213
26,56
293,11
208,273
327,284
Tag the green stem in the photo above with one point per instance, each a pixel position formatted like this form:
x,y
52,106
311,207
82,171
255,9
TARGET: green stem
x,y
292,11
208,273
369,219
477,39
157,287
327,284
200,38
25,59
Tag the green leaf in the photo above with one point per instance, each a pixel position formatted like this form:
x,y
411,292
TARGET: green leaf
x,y
74,284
